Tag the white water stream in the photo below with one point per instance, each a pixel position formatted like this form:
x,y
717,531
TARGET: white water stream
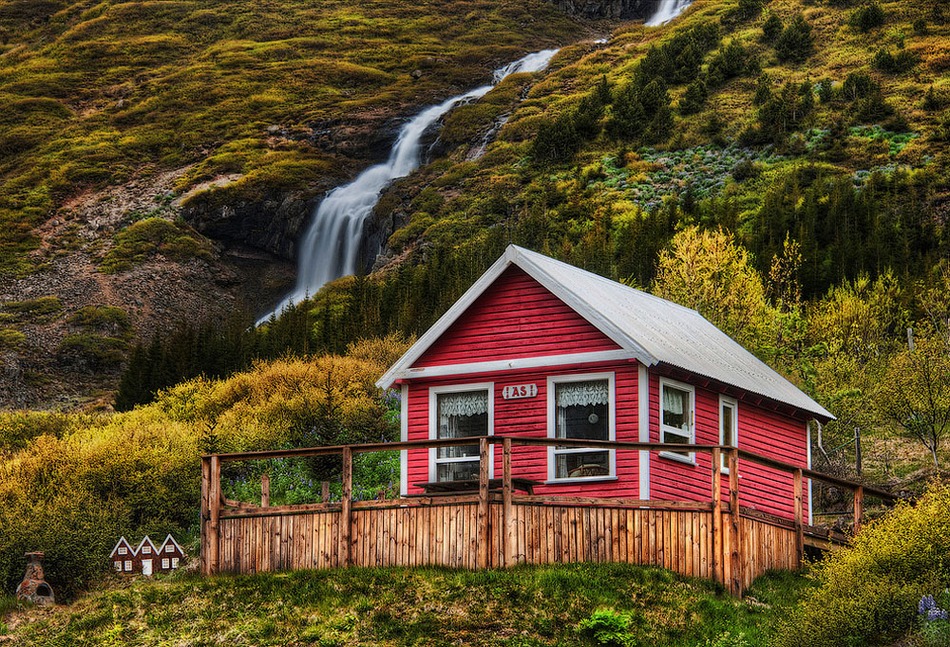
x,y
667,11
330,247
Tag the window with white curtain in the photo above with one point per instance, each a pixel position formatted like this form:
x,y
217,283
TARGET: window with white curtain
x,y
677,403
581,407
728,426
460,414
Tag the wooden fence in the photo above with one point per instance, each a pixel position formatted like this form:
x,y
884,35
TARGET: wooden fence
x,y
714,539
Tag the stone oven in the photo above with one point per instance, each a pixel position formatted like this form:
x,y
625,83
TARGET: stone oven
x,y
34,588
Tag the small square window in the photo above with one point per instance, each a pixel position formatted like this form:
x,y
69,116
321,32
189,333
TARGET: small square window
x,y
169,548
123,550
146,550
128,566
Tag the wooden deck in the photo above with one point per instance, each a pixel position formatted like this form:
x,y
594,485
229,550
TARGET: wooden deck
x,y
715,539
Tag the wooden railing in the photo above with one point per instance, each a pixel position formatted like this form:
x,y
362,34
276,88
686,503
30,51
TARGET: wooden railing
x,y
498,537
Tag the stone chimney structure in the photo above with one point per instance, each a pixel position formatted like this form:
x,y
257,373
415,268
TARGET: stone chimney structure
x,y
34,588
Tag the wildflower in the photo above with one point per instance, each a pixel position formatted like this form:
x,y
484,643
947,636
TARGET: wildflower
x,y
928,608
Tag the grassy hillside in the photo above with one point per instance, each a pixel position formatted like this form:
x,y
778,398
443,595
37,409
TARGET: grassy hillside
x,y
586,604
98,93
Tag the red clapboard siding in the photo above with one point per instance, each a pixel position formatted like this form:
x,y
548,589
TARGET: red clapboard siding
x,y
528,418
515,317
760,431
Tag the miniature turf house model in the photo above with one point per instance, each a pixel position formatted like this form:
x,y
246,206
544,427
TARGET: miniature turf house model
x,y
123,555
145,554
539,348
146,558
170,554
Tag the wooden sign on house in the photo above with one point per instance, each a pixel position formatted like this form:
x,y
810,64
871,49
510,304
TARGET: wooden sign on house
x,y
146,558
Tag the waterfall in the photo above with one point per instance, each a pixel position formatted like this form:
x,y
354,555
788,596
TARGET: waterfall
x,y
667,11
330,246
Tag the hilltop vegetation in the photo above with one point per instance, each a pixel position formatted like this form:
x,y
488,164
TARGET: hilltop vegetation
x,y
97,93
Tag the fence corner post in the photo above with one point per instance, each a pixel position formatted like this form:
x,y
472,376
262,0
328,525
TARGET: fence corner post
x,y
799,518
716,567
737,554
483,554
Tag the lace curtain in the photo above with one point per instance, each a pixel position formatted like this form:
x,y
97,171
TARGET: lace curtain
x,y
674,401
583,394
468,403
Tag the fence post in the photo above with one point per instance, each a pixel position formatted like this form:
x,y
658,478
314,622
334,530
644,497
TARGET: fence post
x,y
346,508
799,518
214,505
482,552
205,514
858,508
736,557
508,557
265,490
717,557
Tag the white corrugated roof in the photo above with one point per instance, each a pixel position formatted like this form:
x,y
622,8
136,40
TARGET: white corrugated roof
x,y
654,330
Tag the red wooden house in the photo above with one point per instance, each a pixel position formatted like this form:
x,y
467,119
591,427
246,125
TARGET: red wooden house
x,y
122,556
170,554
539,348
145,555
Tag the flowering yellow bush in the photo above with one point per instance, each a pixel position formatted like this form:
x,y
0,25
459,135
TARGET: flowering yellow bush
x,y
868,593
71,485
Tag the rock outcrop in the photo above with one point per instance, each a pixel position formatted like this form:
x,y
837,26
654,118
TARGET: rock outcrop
x,y
609,9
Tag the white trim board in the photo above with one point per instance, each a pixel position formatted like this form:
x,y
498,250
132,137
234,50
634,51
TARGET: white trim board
x,y
474,368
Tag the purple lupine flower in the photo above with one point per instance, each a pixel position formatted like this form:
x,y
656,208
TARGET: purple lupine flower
x,y
928,607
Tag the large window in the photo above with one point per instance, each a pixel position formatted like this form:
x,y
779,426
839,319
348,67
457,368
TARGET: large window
x,y
728,426
676,417
581,407
459,414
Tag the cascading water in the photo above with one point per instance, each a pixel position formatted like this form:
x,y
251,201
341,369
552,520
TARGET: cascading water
x,y
667,11
330,247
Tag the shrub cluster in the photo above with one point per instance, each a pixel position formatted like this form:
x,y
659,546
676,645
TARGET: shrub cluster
x,y
870,593
70,486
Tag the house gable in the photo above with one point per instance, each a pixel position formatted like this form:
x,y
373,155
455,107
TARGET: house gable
x,y
515,317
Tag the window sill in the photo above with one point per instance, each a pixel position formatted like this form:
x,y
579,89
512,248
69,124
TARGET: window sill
x,y
581,479
688,460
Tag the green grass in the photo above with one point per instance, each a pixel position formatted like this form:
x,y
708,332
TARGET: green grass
x,y
523,606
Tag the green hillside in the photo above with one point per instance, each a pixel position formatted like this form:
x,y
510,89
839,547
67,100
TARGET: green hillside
x,y
98,93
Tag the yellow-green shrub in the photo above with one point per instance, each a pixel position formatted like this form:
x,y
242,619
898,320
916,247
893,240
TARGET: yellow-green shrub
x,y
70,485
868,593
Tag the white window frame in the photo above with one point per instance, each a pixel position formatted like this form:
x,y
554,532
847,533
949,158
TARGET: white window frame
x,y
122,550
553,451
689,458
166,564
174,562
732,403
434,392
128,565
